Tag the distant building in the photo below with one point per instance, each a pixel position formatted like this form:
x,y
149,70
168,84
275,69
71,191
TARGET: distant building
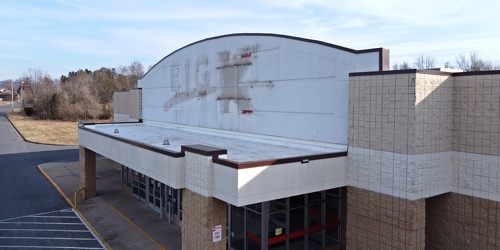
x,y
6,95
263,141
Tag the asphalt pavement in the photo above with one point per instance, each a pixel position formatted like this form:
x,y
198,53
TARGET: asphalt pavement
x,y
33,215
37,186
23,191
121,221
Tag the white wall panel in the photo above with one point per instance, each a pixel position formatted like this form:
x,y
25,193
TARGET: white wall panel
x,y
278,181
209,83
163,168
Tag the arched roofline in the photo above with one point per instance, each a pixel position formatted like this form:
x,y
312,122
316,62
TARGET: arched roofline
x,y
382,57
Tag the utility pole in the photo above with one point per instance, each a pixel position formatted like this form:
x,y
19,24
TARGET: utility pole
x,y
21,93
12,95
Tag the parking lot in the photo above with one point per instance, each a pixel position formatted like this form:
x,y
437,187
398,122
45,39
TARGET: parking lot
x,y
63,229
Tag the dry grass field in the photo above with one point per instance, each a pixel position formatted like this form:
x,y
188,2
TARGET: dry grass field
x,y
45,131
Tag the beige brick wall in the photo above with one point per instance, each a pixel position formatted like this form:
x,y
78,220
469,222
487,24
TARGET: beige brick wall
x,y
120,102
135,103
416,136
200,213
127,105
400,133
457,221
199,173
382,112
378,221
403,113
433,113
476,110
476,135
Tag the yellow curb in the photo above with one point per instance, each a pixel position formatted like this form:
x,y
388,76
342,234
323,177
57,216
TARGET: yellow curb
x,y
71,204
129,221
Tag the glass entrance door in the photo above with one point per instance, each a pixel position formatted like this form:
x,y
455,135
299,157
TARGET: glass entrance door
x,y
169,206
135,184
155,190
142,187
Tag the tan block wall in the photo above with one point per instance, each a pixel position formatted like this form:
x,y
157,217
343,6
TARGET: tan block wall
x,y
200,213
401,113
127,105
400,133
456,221
120,102
378,221
135,103
476,111
433,113
382,112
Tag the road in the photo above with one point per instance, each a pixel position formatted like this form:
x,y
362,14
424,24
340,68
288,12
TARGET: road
x,y
26,197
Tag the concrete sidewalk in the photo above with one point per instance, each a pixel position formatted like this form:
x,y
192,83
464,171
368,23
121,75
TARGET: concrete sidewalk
x,y
120,221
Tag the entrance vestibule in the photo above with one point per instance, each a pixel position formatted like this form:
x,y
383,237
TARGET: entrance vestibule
x,y
162,198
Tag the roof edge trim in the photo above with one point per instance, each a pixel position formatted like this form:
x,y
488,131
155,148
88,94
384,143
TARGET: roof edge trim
x,y
252,164
331,45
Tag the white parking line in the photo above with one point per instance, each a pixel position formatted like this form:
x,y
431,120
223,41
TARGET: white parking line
x,y
51,247
59,217
45,230
17,232
39,223
69,210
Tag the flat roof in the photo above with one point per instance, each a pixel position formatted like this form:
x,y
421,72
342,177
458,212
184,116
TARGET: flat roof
x,y
241,147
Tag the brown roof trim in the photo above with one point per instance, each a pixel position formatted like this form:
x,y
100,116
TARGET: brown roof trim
x,y
214,152
128,90
425,71
83,124
477,73
302,159
204,150
137,144
380,50
404,71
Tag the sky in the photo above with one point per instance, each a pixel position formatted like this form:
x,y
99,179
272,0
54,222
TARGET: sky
x,y
60,36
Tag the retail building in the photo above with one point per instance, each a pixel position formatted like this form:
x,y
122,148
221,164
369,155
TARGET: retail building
x,y
264,141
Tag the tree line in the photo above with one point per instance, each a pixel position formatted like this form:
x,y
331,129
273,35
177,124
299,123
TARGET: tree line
x,y
81,95
472,62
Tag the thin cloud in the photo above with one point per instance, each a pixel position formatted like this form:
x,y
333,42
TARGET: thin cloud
x,y
69,34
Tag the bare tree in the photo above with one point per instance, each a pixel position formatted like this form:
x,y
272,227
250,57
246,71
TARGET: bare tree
x,y
34,76
402,66
136,71
448,65
424,62
81,95
474,63
44,101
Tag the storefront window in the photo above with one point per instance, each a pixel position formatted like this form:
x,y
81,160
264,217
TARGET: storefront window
x,y
314,198
310,221
253,230
315,226
277,230
297,231
297,201
332,225
278,205
237,233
